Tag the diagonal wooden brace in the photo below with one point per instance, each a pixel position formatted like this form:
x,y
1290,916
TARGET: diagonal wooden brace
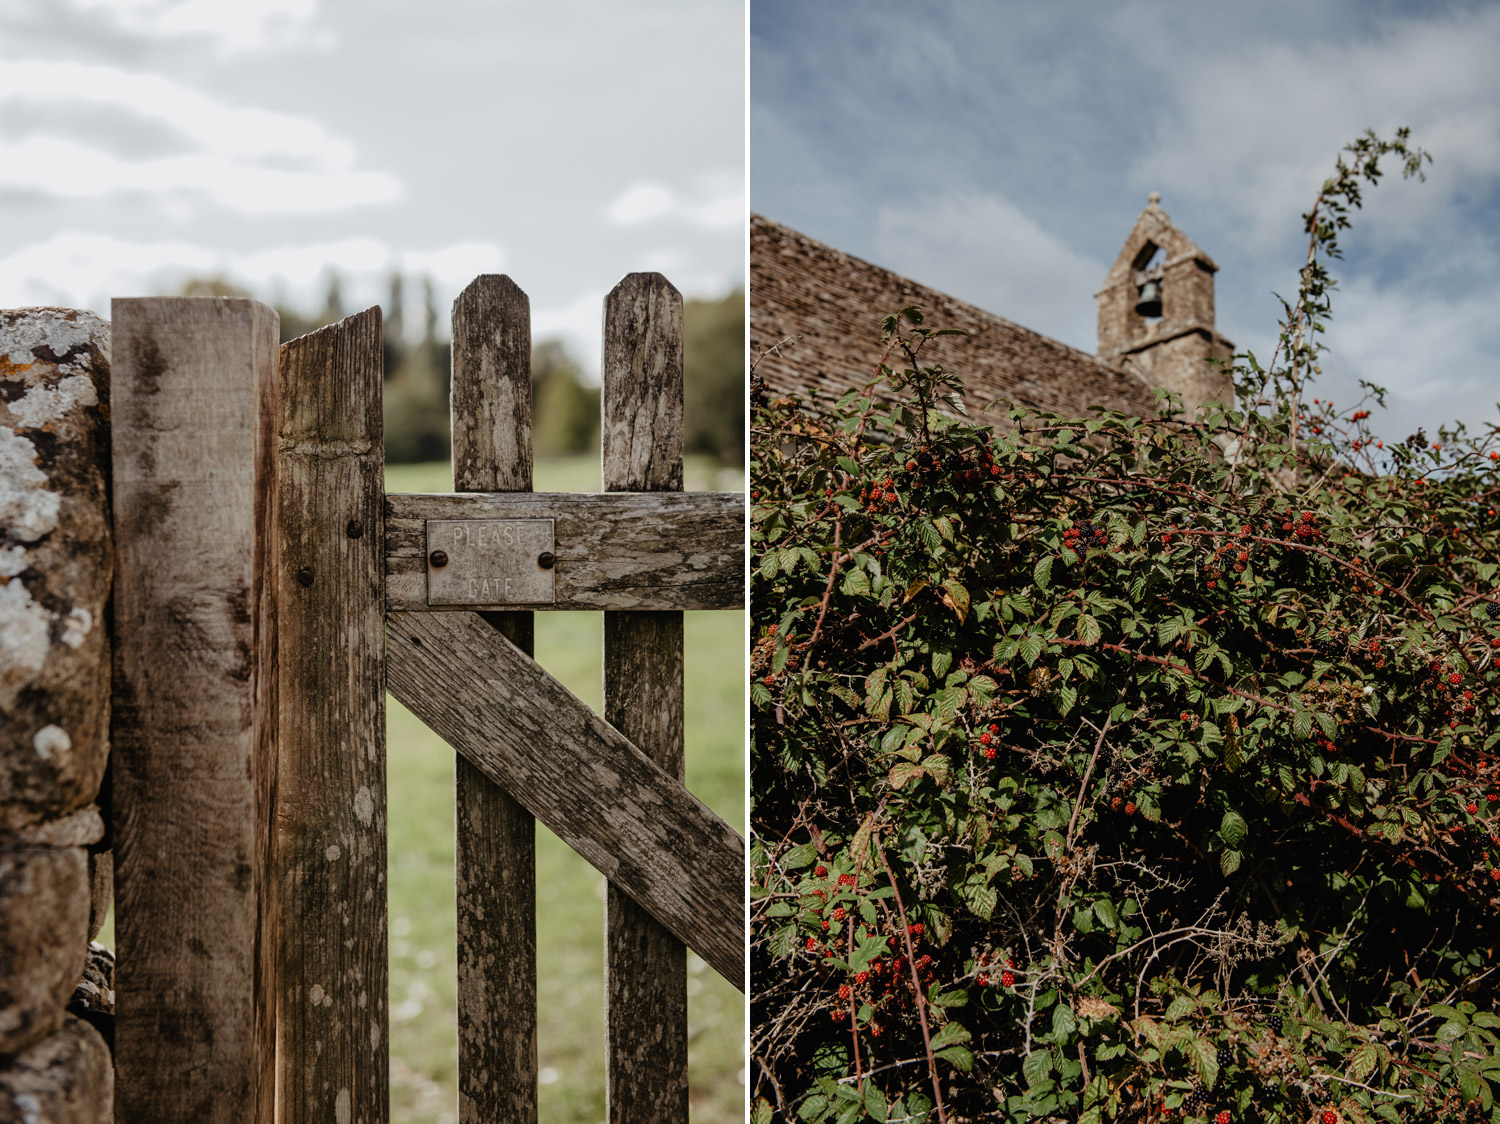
x,y
607,800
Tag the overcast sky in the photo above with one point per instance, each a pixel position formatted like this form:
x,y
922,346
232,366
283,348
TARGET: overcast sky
x,y
1000,152
566,143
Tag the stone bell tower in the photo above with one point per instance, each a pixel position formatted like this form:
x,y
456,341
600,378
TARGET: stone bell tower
x,y
1156,313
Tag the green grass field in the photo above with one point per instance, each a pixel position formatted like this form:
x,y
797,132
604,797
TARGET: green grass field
x,y
570,906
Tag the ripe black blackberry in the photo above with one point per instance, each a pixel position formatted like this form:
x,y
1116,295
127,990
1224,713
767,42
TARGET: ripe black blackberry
x,y
1275,1023
1226,1055
1491,610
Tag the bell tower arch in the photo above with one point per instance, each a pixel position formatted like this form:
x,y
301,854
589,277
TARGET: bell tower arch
x,y
1156,313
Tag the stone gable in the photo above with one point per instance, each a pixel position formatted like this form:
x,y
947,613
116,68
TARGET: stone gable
x,y
815,325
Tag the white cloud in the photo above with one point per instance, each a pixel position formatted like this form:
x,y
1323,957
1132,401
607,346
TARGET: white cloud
x,y
234,27
640,203
213,126
82,269
720,213
1436,356
457,264
716,202
982,249
77,269
312,170
1252,133
33,164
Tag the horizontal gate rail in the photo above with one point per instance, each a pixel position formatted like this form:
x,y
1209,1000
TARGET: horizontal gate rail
x,y
601,795
618,550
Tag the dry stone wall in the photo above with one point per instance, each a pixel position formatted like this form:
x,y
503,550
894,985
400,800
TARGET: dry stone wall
x,y
55,571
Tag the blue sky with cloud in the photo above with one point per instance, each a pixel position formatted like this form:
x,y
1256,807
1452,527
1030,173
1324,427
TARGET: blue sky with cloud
x,y
1001,151
567,143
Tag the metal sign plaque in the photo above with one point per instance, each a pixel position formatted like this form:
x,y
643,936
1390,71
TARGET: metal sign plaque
x,y
490,562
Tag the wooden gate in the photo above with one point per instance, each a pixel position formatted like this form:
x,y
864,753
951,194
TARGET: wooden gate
x,y
268,592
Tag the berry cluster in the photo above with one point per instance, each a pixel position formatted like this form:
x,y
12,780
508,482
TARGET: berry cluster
x,y
1086,534
1306,528
963,471
987,742
879,492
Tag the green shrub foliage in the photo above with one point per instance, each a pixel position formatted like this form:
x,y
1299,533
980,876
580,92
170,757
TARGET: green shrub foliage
x,y
1125,768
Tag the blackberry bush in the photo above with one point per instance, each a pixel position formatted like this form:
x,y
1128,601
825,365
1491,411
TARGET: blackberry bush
x,y
1119,768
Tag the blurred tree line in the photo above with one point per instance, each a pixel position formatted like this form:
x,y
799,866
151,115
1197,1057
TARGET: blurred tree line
x,y
565,404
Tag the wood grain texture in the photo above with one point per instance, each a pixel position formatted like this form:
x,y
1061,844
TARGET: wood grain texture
x,y
663,550
645,967
193,708
331,800
576,773
490,404
495,837
641,429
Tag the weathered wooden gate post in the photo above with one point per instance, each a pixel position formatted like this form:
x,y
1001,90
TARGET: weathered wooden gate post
x,y
332,1017
642,441
495,840
194,413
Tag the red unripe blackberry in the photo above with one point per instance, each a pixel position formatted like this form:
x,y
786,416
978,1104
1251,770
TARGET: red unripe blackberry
x,y
1007,979
1222,1118
1330,1117
821,872
844,991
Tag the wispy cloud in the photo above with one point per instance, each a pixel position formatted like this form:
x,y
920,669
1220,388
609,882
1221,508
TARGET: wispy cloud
x,y
1252,131
715,202
231,28
985,247
85,269
248,160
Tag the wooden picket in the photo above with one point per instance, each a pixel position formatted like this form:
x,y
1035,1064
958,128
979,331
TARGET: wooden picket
x,y
495,855
645,967
330,857
268,592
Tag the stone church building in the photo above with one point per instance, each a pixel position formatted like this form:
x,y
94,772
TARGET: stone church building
x,y
815,324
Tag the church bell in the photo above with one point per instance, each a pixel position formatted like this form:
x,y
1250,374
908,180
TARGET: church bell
x,y
1149,303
